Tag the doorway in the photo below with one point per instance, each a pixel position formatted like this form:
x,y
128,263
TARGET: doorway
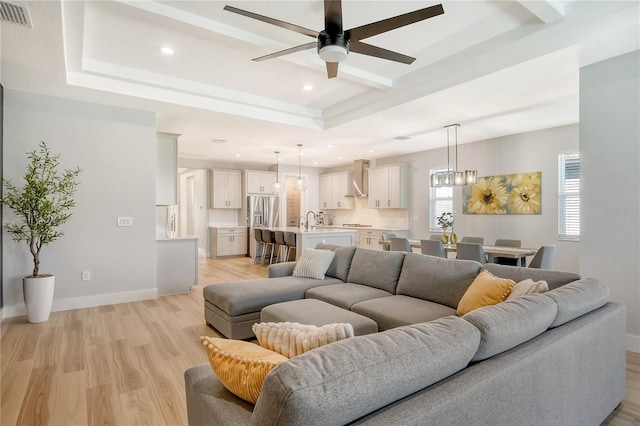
x,y
191,189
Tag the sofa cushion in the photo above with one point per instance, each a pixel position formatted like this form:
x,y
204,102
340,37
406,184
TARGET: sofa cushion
x,y
436,279
341,262
313,263
510,323
345,295
241,366
394,311
341,382
553,278
243,297
528,286
486,289
578,298
379,269
292,339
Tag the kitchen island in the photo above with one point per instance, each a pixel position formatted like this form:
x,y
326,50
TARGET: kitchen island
x,y
314,236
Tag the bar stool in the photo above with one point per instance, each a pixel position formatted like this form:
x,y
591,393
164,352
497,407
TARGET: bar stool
x,y
257,235
280,245
290,241
269,240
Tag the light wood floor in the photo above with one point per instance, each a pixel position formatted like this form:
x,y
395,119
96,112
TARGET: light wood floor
x,y
124,364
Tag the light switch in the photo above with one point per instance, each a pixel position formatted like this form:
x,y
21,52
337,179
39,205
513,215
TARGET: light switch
x,y
125,221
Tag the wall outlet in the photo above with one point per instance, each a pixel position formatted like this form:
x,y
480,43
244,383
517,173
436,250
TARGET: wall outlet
x,y
125,221
86,275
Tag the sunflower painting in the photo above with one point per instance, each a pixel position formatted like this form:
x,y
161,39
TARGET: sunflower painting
x,y
506,194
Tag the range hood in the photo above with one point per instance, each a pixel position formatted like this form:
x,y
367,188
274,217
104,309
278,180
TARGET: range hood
x,y
360,178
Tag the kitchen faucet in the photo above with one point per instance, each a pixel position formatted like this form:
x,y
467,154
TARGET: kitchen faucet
x,y
306,226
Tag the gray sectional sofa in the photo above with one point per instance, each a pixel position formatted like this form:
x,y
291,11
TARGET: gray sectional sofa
x,y
556,358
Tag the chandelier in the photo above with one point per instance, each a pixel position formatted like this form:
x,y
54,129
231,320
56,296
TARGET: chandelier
x,y
453,177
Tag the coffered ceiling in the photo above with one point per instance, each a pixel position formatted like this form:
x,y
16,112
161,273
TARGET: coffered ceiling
x,y
495,67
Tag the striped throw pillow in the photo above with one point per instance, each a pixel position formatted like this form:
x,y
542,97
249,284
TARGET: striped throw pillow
x,y
292,339
313,263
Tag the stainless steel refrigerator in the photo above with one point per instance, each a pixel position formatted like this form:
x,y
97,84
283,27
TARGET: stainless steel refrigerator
x,y
262,212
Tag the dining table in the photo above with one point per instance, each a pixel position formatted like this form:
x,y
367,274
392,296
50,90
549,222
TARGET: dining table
x,y
518,253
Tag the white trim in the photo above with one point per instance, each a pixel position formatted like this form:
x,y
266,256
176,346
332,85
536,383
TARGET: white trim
x,y
87,301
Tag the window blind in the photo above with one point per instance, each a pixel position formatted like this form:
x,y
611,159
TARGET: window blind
x,y
440,201
569,196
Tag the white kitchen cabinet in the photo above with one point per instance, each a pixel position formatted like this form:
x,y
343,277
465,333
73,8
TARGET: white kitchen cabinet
x,y
167,169
388,187
231,241
226,189
370,239
333,190
259,182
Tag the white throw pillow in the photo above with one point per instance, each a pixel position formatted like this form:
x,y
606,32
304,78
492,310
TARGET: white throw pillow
x,y
313,263
528,286
292,339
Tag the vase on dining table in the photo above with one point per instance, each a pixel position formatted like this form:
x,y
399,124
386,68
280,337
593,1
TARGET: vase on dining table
x,y
453,238
445,237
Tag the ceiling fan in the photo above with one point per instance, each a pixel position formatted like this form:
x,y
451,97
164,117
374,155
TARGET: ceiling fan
x,y
334,43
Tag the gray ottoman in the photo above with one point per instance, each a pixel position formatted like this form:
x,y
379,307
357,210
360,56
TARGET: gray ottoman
x,y
317,312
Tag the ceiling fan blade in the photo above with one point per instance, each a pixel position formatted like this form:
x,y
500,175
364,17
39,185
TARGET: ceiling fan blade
x,y
286,51
389,24
332,69
379,52
272,21
333,16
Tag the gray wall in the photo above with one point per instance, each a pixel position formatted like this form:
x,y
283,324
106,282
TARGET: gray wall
x,y
525,152
116,149
610,179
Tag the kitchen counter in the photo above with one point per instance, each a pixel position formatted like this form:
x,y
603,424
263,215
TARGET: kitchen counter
x,y
312,237
176,264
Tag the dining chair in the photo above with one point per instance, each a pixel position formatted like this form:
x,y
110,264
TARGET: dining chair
x,y
433,248
543,258
400,244
502,242
387,237
476,240
437,237
471,251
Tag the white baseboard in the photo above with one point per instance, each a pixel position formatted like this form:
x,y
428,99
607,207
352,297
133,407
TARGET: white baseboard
x,y
633,343
87,301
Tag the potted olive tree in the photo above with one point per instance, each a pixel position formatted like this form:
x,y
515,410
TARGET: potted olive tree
x,y
41,206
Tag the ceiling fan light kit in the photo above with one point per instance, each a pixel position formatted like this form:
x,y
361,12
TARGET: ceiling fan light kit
x,y
334,43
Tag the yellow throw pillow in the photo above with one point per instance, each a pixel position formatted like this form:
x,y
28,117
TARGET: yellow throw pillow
x,y
485,290
240,366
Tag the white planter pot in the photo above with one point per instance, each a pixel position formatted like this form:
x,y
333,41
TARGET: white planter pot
x,y
38,296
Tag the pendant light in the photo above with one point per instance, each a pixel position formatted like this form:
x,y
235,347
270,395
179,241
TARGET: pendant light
x,y
276,186
453,177
301,184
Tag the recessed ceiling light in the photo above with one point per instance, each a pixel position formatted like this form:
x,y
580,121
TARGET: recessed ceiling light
x,y
307,87
315,163
166,50
371,151
329,146
339,158
237,155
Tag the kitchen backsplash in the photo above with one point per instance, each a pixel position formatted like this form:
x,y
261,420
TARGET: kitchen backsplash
x,y
224,217
379,218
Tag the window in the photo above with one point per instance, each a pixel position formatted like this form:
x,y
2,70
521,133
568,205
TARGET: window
x,y
569,197
440,201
